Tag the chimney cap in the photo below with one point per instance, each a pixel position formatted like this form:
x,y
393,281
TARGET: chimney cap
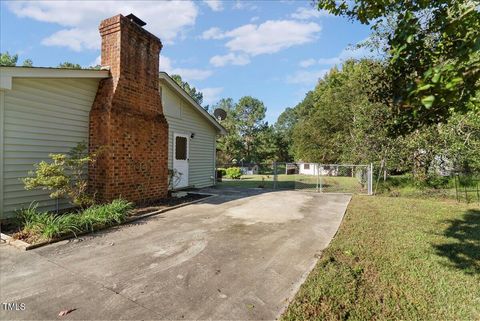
x,y
136,20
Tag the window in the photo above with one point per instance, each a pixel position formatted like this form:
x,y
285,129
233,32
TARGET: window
x,y
306,166
180,148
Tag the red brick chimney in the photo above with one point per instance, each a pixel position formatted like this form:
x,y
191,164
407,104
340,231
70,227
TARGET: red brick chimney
x,y
127,127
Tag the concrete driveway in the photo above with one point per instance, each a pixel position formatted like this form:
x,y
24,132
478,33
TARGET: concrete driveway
x,y
241,255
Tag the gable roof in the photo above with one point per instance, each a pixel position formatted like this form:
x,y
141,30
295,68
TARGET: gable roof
x,y
173,85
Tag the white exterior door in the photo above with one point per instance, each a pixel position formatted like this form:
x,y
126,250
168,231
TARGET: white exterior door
x,y
180,160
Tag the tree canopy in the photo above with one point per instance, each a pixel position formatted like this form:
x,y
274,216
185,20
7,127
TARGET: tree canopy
x,y
190,90
249,138
432,53
69,65
8,60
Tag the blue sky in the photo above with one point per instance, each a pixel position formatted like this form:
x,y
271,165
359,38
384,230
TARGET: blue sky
x,y
272,50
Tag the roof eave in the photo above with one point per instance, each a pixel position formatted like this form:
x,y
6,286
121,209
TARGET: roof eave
x,y
186,96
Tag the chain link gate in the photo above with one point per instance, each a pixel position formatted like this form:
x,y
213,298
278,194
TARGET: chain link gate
x,y
324,178
315,177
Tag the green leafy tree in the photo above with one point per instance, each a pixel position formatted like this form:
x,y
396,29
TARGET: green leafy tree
x,y
285,124
8,60
190,90
432,51
64,176
69,65
230,145
27,63
250,122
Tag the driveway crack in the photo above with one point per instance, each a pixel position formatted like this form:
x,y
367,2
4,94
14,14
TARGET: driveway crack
x,y
80,275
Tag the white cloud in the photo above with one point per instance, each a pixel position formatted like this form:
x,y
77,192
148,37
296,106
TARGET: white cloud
x,y
345,54
307,63
244,5
253,19
271,36
212,33
187,74
96,62
303,13
75,38
329,61
251,40
230,58
306,77
211,95
215,5
80,19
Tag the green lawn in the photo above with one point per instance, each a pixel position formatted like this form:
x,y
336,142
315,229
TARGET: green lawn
x,y
397,258
330,184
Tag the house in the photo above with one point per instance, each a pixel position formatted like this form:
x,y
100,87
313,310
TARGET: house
x,y
249,168
315,169
141,122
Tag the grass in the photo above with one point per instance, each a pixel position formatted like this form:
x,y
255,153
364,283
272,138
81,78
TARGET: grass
x,y
468,188
43,226
397,258
329,184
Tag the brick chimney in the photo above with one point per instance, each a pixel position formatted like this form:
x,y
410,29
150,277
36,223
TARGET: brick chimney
x,y
128,130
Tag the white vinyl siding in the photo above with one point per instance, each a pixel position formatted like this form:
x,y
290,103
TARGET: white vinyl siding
x,y
183,118
41,116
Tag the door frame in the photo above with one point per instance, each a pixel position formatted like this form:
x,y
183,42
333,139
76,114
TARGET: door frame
x,y
187,136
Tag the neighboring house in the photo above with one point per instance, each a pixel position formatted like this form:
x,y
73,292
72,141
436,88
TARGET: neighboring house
x,y
249,169
315,169
48,110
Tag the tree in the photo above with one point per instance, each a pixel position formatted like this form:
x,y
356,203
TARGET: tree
x,y
249,138
433,55
69,65
284,126
64,176
27,63
249,116
229,146
8,60
190,90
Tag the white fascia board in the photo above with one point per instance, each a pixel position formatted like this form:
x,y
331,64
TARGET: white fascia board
x,y
7,73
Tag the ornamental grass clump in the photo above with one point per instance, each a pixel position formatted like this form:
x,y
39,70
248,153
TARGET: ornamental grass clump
x,y
40,226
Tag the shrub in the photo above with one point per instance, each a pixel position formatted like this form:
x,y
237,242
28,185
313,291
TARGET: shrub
x,y
234,172
44,225
64,176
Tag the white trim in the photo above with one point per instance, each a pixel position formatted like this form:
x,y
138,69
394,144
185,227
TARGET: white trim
x,y
214,161
164,76
2,162
174,149
7,73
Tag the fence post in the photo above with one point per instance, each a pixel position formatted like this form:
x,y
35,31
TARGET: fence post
x,y
317,167
274,175
370,179
320,170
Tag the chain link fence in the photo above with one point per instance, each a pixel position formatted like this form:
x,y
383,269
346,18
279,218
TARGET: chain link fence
x,y
315,177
